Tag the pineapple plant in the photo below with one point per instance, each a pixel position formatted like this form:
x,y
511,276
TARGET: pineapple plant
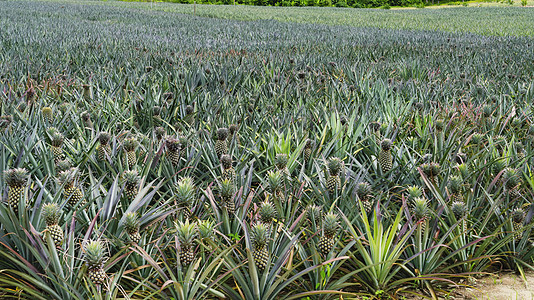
x,y
267,212
431,171
173,150
226,191
259,239
104,149
375,128
51,214
520,151
86,119
72,193
186,233
420,211
276,185
221,145
47,114
459,209
330,227
333,182
364,190
280,161
455,186
518,217
189,116
228,169
206,229
130,146
15,179
94,256
314,214
385,159
131,225
131,184
512,182
185,194
308,149
56,144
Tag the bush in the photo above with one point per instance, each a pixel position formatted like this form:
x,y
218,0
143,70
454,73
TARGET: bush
x,y
341,3
524,2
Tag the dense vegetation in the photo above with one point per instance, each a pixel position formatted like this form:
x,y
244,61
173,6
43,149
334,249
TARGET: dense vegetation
x,y
152,154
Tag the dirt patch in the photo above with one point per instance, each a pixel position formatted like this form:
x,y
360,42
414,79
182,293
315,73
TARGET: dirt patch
x,y
500,287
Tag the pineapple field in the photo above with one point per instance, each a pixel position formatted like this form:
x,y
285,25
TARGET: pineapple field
x,y
162,151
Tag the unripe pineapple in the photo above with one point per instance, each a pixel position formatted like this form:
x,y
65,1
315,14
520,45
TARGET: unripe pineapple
x,y
385,159
459,209
51,214
87,94
104,149
477,138
131,184
421,211
15,179
440,125
276,185
228,170
72,193
186,233
414,192
227,191
130,145
330,227
267,212
333,182
518,217
520,150
94,256
364,190
173,150
86,118
131,225
206,229
308,149
221,145
280,161
512,182
185,194
47,114
189,116
56,143
314,214
455,186
259,234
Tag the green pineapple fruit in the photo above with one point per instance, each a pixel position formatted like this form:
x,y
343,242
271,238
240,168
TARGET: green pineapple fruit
x,y
47,114
131,225
280,161
267,212
130,146
421,211
72,193
459,209
512,182
518,217
385,159
333,182
186,233
86,119
228,170
330,227
455,186
104,149
185,194
56,144
94,256
131,184
173,150
364,190
440,125
51,215
189,116
227,191
221,145
520,150
15,179
308,149
275,185
259,240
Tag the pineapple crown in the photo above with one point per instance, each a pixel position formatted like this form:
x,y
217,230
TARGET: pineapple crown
x,y
185,190
205,228
131,222
47,112
435,168
477,138
51,214
274,180
189,109
518,215
459,209
464,170
159,132
186,233
16,177
440,124
487,111
511,178
226,161
309,143
519,147
131,177
233,129
63,165
375,126
267,212
280,160
455,184
334,165
227,188
172,144
67,177
222,134
363,190
259,234
130,144
330,224
386,144
420,208
499,165
94,254
104,138
414,192
314,212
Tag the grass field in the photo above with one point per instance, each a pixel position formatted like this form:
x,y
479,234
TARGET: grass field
x,y
262,152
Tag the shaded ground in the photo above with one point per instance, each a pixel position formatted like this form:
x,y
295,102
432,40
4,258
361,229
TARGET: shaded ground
x,y
501,287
